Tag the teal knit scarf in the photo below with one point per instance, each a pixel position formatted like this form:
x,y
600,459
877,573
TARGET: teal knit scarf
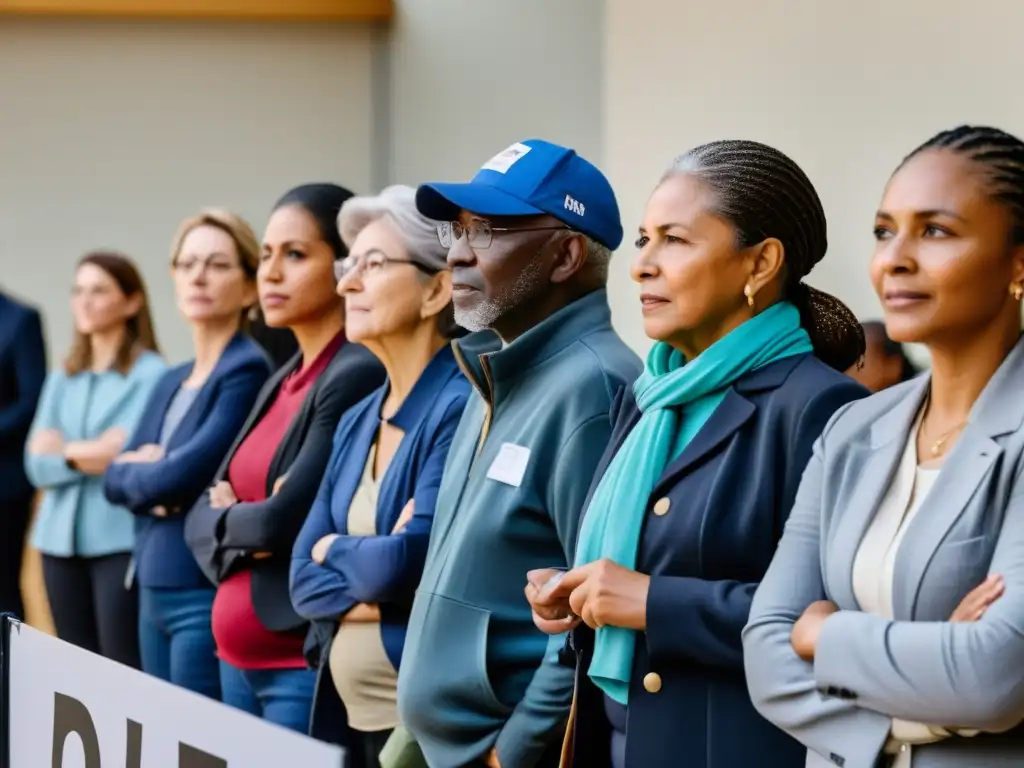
x,y
668,387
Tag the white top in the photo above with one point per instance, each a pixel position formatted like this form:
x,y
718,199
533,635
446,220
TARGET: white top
x,y
363,675
875,564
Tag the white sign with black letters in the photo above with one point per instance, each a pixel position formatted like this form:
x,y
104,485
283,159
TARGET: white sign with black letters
x,y
73,709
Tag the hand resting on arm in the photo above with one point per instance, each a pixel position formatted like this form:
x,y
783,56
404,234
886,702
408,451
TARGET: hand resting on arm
x,y
222,496
46,442
807,630
360,612
92,457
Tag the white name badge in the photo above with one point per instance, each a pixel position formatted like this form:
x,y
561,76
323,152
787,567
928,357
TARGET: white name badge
x,y
509,466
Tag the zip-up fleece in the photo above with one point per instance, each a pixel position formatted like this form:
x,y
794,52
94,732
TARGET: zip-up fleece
x,y
476,672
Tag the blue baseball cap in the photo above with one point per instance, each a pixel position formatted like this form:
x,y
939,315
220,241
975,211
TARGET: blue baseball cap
x,y
531,178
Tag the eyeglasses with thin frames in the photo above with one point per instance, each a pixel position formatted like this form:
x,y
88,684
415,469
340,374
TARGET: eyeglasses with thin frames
x,y
481,233
215,264
355,266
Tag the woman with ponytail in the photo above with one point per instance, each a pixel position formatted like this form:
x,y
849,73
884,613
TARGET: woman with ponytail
x,y
703,466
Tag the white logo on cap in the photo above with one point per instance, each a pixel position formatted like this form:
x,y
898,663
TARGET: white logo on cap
x,y
574,205
505,159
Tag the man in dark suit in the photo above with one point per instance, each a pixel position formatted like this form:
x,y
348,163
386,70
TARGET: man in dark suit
x,y
22,371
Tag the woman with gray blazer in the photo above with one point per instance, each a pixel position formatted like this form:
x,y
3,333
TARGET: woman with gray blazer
x,y
889,629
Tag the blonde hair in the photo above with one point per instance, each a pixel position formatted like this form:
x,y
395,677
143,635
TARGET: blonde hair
x,y
241,234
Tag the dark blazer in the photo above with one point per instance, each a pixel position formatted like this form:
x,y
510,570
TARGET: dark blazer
x,y
713,522
22,373
279,343
223,540
383,569
191,457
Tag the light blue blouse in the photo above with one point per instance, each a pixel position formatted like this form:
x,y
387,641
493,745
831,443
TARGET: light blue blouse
x,y
75,518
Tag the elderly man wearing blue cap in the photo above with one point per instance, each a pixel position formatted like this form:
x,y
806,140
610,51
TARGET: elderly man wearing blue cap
x,y
529,239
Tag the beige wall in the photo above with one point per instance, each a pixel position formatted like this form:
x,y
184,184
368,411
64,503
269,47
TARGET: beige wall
x,y
470,78
846,89
112,132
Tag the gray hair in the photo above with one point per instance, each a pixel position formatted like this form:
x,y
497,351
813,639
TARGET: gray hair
x,y
398,204
599,256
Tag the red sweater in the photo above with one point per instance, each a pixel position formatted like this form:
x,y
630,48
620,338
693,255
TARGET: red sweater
x,y
242,640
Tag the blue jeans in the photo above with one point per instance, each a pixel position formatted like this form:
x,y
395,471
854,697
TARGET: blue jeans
x,y
176,638
280,696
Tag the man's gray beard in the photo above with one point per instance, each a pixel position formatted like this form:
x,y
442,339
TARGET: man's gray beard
x,y
487,312
479,318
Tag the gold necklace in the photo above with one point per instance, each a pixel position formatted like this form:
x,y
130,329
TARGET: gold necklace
x,y
937,445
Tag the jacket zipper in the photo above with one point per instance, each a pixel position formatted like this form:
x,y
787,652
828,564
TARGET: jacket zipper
x,y
489,409
485,395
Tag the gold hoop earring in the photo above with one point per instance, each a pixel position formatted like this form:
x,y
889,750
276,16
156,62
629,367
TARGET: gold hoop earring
x,y
749,293
1017,291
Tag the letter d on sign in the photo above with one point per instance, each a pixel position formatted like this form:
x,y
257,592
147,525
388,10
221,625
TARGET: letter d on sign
x,y
71,716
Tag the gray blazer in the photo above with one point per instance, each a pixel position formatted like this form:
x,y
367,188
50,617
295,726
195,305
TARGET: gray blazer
x,y
919,667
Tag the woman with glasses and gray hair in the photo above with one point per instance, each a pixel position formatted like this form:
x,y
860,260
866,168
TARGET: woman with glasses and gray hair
x,y
358,559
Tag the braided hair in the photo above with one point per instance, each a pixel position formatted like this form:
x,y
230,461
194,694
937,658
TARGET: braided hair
x,y
1000,157
762,193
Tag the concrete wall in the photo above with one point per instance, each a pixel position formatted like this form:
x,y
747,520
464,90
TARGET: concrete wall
x,y
112,132
846,89
470,78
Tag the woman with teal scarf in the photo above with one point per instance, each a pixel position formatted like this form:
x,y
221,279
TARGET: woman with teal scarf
x,y
703,465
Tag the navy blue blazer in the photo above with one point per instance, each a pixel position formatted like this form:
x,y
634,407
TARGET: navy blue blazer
x,y
195,450
383,569
22,373
712,525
